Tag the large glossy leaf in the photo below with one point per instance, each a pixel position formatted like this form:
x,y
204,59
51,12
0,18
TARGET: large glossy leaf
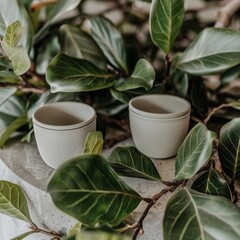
x,y
229,148
13,201
89,190
6,93
55,13
67,74
194,152
143,76
15,125
15,52
110,41
11,11
121,96
77,43
212,183
128,161
192,215
93,143
166,18
214,50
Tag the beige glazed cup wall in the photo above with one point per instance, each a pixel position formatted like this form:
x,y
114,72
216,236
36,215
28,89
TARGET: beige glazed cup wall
x,y
159,134
60,130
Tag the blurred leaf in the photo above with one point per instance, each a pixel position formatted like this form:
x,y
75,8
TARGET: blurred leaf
x,y
27,137
93,143
229,148
15,125
143,76
24,235
129,162
17,54
69,74
48,97
113,108
11,14
6,93
73,231
166,18
198,96
180,81
99,235
212,183
9,77
194,152
77,43
110,41
4,63
230,75
54,15
46,53
193,215
123,97
213,50
89,190
13,201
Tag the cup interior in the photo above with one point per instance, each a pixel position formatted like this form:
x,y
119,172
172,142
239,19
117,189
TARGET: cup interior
x,y
64,115
159,106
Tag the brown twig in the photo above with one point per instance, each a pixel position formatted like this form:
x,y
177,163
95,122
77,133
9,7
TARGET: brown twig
x,y
53,234
213,111
226,13
138,226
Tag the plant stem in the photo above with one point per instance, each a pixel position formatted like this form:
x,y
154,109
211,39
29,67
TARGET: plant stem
x,y
139,224
53,234
214,110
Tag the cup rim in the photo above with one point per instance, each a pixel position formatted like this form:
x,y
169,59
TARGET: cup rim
x,y
67,126
149,114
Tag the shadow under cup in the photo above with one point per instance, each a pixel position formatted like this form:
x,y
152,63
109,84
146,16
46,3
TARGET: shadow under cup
x,y
60,130
159,123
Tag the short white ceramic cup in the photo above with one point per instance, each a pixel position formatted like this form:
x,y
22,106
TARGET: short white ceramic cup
x,y
159,124
60,130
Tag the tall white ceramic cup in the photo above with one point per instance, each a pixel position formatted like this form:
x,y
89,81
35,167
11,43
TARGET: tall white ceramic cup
x,y
159,124
60,130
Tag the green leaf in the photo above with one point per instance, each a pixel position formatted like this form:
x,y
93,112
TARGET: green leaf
x,y
198,96
11,14
93,143
67,74
99,235
230,75
214,50
121,96
48,97
6,93
194,152
24,235
143,76
229,148
180,81
193,215
17,54
166,18
77,43
54,15
13,201
89,190
128,161
16,124
212,183
76,229
9,77
110,41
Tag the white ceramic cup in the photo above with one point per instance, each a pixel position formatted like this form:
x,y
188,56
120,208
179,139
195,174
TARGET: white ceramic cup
x,y
159,124
60,130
